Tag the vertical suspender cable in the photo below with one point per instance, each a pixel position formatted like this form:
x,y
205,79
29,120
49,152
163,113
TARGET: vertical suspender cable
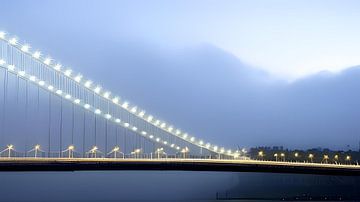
x,y
26,114
3,107
49,129
95,130
116,135
106,136
72,124
61,126
83,141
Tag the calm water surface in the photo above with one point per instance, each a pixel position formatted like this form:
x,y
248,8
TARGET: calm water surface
x,y
113,186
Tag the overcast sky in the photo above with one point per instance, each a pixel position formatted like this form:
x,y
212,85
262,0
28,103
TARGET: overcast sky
x,y
218,69
289,39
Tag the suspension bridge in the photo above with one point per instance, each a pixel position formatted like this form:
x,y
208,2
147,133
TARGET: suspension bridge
x,y
57,119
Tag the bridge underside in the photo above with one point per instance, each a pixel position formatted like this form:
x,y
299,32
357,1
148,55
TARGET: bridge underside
x,y
86,164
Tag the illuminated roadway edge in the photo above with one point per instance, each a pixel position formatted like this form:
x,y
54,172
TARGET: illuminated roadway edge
x,y
98,164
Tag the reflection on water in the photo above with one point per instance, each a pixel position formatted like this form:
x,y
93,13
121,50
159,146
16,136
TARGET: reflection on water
x,y
175,186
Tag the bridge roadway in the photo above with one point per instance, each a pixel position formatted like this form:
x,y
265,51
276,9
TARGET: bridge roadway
x,y
217,165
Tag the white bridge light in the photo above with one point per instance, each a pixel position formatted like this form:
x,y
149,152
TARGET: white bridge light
x,y
163,125
150,118
25,48
22,73
68,72
78,78
11,67
47,61
36,54
32,78
88,84
2,35
59,92
41,83
215,148
133,110
115,100
106,94
97,111
13,41
125,105
97,89
142,113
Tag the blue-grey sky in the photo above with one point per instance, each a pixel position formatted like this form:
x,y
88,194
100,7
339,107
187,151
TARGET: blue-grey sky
x,y
218,69
289,39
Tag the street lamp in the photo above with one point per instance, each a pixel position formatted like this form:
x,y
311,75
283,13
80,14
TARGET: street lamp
x,y
71,149
36,150
184,151
311,156
326,158
159,151
348,158
261,154
336,158
282,156
9,148
93,151
296,155
116,150
276,156
136,152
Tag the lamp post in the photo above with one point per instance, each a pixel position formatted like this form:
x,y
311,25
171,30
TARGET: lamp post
x,y
282,156
136,152
326,158
276,156
71,149
336,158
296,155
93,151
116,150
311,156
9,148
36,149
184,151
348,158
261,154
159,151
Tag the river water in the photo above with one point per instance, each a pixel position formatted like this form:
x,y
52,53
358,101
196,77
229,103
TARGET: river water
x,y
113,186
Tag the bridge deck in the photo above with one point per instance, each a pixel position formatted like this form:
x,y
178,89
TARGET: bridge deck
x,y
91,164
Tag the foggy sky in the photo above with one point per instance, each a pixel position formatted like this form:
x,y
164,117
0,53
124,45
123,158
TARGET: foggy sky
x,y
195,85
